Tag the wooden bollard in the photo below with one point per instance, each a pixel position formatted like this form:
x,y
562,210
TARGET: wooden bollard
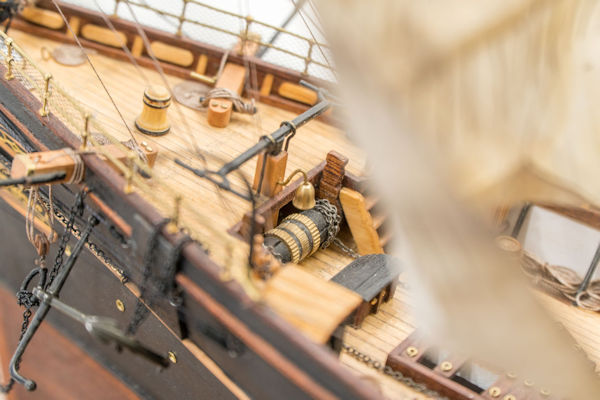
x,y
153,119
219,110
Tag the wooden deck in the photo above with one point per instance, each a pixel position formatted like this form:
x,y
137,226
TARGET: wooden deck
x,y
379,333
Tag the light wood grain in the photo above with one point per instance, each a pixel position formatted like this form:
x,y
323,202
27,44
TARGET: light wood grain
x,y
360,222
313,305
219,110
46,18
379,333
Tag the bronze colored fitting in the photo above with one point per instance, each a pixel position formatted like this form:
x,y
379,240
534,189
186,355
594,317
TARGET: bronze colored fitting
x,y
9,60
304,198
288,240
86,132
412,351
46,96
130,173
312,228
300,235
173,225
446,366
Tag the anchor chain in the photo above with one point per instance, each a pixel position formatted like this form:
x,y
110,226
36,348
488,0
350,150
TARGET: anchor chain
x,y
141,311
76,210
389,371
25,298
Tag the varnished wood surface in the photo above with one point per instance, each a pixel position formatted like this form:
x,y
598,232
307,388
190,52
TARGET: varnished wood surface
x,y
314,305
379,333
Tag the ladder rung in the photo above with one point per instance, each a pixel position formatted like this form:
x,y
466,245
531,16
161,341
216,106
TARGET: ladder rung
x,y
378,220
370,202
385,238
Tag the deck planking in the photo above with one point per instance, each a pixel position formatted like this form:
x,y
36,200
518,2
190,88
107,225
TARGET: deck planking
x,y
204,204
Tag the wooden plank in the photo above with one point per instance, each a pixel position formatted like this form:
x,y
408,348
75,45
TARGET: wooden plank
x,y
274,171
586,214
368,275
267,85
360,222
314,306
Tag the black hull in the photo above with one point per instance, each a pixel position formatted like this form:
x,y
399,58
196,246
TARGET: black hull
x,y
261,354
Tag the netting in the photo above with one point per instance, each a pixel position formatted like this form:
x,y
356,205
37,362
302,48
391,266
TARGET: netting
x,y
80,121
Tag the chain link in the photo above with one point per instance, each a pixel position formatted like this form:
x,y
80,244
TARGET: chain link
x,y
389,371
141,310
76,209
346,249
332,219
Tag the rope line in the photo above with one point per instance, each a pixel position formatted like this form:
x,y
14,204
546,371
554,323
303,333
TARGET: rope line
x,y
562,279
112,100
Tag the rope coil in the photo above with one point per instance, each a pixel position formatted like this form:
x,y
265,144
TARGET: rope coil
x,y
563,280
239,105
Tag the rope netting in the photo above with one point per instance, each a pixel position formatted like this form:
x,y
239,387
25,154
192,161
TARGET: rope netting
x,y
225,250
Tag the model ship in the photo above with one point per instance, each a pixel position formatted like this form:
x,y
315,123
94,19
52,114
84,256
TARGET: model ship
x,y
184,220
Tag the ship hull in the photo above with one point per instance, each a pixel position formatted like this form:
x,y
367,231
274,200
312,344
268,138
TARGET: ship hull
x,y
225,344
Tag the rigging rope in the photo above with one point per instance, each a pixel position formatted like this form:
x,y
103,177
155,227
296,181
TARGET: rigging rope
x,y
314,38
96,73
163,77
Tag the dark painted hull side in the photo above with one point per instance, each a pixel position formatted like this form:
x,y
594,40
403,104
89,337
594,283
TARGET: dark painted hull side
x,y
265,356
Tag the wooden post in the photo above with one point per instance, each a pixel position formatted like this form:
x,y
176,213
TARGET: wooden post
x,y
274,172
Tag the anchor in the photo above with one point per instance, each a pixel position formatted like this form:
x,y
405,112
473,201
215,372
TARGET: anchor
x,y
105,329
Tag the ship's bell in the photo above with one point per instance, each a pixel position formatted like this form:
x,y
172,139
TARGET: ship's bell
x,y
304,198
153,119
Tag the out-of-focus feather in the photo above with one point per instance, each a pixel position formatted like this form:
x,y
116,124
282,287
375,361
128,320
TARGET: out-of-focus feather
x,y
462,99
